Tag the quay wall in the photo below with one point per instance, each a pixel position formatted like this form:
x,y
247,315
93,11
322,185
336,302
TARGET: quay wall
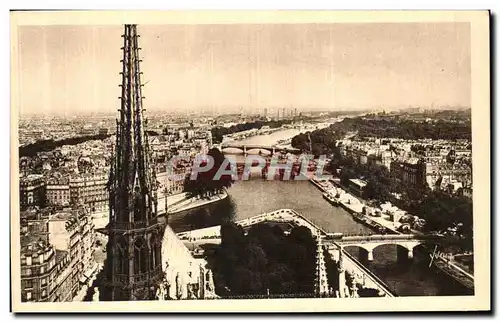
x,y
284,215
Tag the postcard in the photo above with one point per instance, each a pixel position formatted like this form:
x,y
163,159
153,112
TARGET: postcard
x,y
250,161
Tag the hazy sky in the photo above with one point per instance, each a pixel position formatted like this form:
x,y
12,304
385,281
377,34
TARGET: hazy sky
x,y
328,66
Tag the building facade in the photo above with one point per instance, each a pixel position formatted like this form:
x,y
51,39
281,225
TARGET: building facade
x,y
89,189
411,172
45,273
32,191
56,254
58,192
73,232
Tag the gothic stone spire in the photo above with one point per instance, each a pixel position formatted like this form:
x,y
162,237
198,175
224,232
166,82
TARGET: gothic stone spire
x,y
134,177
133,265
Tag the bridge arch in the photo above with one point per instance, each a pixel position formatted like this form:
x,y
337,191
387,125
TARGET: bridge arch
x,y
364,254
366,251
403,251
406,245
263,152
231,150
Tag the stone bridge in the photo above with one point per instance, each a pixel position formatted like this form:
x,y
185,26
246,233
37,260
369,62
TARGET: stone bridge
x,y
368,243
255,149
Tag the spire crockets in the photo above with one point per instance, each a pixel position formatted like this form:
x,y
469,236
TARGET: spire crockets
x,y
134,179
133,264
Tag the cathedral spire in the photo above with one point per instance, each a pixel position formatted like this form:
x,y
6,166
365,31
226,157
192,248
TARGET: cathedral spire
x,y
134,231
132,161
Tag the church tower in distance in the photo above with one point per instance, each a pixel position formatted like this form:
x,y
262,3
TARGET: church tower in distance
x,y
133,266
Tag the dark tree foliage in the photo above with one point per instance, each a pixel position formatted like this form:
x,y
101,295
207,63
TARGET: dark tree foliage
x,y
332,271
207,183
232,234
265,260
321,142
31,150
367,292
441,211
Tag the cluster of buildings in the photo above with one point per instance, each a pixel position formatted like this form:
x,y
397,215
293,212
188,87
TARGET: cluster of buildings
x,y
66,176
58,198
437,164
80,172
56,254
61,189
33,129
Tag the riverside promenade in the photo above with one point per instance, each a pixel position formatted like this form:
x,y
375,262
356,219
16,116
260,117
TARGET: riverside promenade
x,y
176,203
194,202
281,215
354,206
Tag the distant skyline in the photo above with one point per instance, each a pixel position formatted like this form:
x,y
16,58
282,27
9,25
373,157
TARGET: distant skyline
x,y
223,68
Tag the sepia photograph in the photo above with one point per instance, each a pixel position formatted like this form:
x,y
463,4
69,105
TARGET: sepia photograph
x,y
191,161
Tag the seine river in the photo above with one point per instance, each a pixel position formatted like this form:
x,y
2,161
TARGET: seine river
x,y
256,196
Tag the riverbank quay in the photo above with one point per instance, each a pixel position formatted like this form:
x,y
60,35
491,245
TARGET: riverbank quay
x,y
441,263
447,266
281,215
195,202
176,203
336,196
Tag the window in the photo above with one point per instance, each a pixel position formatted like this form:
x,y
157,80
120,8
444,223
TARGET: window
x,y
140,256
42,269
28,261
28,284
28,296
44,293
44,281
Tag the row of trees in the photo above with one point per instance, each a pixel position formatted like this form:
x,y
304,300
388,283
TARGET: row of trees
x,y
323,141
31,150
264,261
407,129
319,142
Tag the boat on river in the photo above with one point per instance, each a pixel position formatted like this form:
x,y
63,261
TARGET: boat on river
x,y
331,199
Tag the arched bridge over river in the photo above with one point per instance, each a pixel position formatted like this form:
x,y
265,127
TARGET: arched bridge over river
x,y
368,243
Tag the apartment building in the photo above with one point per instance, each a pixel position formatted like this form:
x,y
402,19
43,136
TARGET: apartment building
x,y
410,172
89,189
58,192
32,191
73,232
45,273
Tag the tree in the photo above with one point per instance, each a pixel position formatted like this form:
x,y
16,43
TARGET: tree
x,y
255,258
206,183
367,292
232,234
265,259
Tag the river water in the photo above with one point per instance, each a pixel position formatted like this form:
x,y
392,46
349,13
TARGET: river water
x,y
270,139
256,196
